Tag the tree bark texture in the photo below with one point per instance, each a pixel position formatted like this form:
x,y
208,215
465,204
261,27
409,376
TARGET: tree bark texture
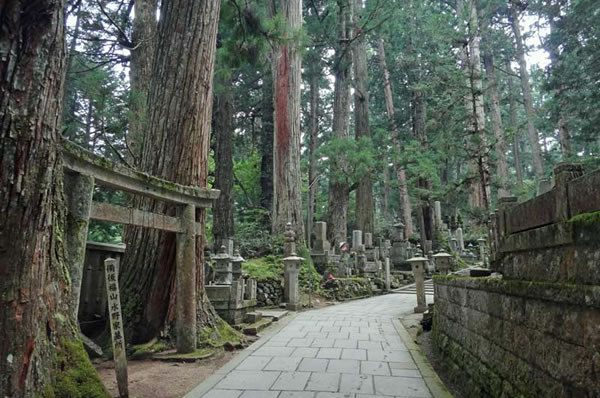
x,y
312,146
400,172
266,147
175,148
534,141
496,123
337,214
223,208
143,36
477,140
514,122
35,303
365,208
286,155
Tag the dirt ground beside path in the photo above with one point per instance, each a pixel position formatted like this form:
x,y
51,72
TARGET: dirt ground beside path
x,y
157,379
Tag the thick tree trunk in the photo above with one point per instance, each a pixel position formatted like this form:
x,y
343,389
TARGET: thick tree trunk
x,y
286,156
223,130
365,208
312,146
474,103
514,122
534,141
400,173
337,216
143,36
39,333
497,130
266,148
175,148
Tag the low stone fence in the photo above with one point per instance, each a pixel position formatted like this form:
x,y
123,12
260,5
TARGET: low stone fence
x,y
269,292
534,331
501,338
347,288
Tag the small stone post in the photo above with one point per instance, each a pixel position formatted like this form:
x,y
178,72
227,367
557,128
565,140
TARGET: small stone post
x,y
388,277
111,272
460,239
368,240
356,240
78,190
481,242
418,267
291,270
437,207
185,322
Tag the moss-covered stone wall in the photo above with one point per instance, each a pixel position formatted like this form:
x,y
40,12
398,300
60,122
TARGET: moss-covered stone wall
x,y
501,338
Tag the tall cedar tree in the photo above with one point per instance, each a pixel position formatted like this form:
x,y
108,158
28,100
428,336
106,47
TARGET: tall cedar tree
x,y
39,334
337,217
176,149
365,207
286,155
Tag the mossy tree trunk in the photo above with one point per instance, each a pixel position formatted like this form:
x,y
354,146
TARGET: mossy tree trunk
x,y
35,302
175,148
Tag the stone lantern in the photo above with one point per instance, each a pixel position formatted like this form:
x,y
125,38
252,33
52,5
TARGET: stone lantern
x,y
418,268
236,265
443,262
399,233
223,275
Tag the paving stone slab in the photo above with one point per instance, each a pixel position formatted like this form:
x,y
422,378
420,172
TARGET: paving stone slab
x,y
328,382
344,366
248,380
288,364
402,386
359,383
291,381
313,365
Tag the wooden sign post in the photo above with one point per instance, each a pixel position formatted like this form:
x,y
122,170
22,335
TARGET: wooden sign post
x,y
111,271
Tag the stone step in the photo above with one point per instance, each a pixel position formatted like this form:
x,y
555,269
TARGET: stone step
x,y
254,328
253,317
275,315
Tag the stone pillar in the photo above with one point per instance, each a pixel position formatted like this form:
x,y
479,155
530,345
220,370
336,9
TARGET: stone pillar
x,y
356,240
368,240
78,190
321,244
460,239
481,243
563,173
418,267
185,314
223,268
388,276
543,185
292,265
437,208
453,244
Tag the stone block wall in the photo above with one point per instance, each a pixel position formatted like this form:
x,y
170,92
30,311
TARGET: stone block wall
x,y
269,292
535,331
501,338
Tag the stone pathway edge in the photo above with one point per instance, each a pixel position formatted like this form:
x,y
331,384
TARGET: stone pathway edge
x,y
432,380
216,377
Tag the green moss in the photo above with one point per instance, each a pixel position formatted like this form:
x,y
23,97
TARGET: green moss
x,y
202,353
586,219
218,336
263,268
77,378
143,351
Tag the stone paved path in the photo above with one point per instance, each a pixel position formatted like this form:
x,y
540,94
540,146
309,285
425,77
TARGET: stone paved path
x,y
350,350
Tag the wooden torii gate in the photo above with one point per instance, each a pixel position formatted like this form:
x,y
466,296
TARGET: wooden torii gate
x,y
83,170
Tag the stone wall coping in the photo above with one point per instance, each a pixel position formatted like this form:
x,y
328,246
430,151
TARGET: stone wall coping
x,y
583,295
